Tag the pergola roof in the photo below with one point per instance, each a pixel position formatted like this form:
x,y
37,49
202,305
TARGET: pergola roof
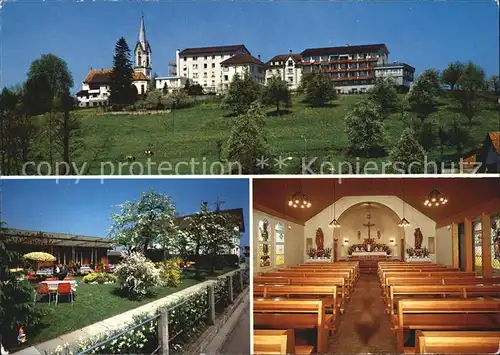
x,y
56,239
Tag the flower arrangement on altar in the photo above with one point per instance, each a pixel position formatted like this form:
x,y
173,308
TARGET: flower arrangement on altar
x,y
328,253
418,253
373,247
312,253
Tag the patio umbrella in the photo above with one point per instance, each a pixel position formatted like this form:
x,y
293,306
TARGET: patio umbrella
x,y
40,256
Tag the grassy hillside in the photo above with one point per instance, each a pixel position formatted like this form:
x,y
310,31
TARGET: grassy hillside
x,y
197,132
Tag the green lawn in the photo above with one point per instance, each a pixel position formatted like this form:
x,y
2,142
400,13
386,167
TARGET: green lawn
x,y
94,303
196,133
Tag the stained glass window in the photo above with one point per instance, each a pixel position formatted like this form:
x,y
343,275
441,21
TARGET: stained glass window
x,y
264,244
495,242
280,243
478,245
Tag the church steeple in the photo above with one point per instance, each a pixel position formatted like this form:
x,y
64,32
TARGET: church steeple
x,y
142,53
142,34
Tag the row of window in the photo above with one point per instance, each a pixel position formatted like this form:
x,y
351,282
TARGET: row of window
x,y
206,57
340,57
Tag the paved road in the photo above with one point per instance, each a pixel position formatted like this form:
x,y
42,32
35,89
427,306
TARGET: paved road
x,y
238,341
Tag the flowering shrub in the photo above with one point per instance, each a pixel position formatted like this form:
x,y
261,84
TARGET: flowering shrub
x,y
170,272
137,274
100,278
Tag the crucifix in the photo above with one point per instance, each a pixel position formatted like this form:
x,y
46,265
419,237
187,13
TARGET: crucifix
x,y
218,203
369,225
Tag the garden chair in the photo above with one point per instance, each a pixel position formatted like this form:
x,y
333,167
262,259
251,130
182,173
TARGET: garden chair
x,y
64,288
42,289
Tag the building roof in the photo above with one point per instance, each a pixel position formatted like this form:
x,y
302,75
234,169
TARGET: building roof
x,y
395,65
241,59
101,77
143,42
370,48
494,137
55,239
282,57
215,49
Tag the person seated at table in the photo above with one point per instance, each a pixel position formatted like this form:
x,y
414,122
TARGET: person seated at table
x,y
75,269
56,270
63,273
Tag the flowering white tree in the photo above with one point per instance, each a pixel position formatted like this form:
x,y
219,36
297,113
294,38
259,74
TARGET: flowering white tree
x,y
148,222
209,232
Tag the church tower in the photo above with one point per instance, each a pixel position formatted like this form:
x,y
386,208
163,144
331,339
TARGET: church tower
x,y
142,53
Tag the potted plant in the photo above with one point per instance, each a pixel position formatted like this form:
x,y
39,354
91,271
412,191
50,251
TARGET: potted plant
x,y
410,252
328,253
320,253
312,253
425,252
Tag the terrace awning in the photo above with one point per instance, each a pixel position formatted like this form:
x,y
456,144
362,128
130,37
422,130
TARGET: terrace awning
x,y
55,239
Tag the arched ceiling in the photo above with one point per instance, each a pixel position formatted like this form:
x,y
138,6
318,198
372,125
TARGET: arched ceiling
x,y
464,194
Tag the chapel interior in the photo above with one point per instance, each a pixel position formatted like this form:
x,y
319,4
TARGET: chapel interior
x,y
376,265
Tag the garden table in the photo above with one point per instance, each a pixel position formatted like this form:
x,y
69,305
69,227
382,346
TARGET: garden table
x,y
53,284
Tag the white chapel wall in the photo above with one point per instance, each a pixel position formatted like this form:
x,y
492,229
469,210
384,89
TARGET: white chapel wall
x,y
294,234
444,246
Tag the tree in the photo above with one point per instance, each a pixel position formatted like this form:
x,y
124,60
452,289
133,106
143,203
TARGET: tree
x,y
408,155
154,99
209,232
37,95
423,97
317,89
152,82
458,135
276,92
241,94
247,141
16,297
425,133
193,90
385,95
451,74
148,222
57,80
494,84
365,130
67,130
471,82
122,92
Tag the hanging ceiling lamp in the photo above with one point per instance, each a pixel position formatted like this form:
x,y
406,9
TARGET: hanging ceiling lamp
x,y
435,199
299,200
334,223
403,223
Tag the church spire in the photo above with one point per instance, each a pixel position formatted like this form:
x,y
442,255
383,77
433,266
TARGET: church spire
x,y
142,34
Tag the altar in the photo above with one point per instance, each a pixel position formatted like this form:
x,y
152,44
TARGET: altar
x,y
319,260
369,253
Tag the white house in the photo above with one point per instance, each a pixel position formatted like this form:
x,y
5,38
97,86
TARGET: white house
x,y
400,73
287,67
241,64
170,82
203,65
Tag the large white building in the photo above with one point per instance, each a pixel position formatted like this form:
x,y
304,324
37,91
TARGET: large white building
x,y
203,65
354,69
287,67
243,64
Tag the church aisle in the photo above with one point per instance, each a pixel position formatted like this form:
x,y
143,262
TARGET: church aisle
x,y
364,327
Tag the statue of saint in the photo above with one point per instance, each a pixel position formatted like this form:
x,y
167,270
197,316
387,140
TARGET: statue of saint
x,y
419,238
320,239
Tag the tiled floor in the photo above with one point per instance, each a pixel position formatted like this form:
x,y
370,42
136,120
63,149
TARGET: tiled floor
x,y
364,328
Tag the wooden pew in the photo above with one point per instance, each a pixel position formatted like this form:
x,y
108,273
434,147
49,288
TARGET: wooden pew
x,y
455,279
339,282
267,342
444,315
423,275
345,275
328,294
352,273
398,292
471,342
419,273
293,314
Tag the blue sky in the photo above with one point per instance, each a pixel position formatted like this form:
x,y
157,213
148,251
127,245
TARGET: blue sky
x,y
84,208
423,34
